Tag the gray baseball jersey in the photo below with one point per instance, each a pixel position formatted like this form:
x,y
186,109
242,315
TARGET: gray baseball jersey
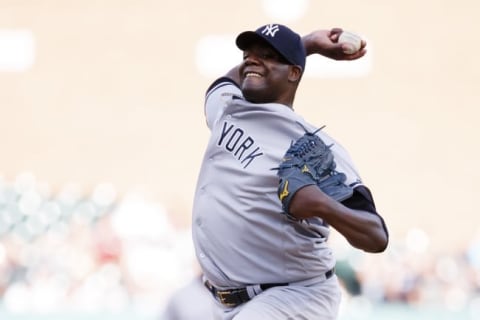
x,y
240,233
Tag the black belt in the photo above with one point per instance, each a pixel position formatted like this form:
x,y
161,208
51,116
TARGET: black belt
x,y
235,297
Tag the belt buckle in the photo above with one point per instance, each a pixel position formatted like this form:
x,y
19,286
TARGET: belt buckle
x,y
223,296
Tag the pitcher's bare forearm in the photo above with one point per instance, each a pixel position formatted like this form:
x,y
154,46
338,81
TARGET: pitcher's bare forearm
x,y
363,230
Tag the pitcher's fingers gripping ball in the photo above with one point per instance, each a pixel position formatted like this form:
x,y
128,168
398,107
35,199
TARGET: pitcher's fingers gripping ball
x,y
309,161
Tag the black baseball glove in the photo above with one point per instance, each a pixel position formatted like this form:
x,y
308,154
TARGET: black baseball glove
x,y
309,161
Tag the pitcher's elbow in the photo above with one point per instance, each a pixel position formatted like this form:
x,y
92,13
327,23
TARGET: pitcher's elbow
x,y
379,246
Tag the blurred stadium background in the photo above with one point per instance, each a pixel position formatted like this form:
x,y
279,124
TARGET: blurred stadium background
x,y
102,134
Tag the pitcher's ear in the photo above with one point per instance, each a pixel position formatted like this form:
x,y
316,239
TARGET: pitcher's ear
x,y
295,73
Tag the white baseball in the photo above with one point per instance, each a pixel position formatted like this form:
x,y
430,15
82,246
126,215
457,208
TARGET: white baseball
x,y
352,42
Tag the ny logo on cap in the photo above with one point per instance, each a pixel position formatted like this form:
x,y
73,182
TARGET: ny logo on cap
x,y
270,30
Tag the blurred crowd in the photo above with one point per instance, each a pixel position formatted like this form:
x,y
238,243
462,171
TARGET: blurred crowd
x,y
409,273
96,251
75,251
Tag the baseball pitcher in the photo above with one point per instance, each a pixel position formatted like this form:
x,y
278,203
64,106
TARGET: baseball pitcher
x,y
271,186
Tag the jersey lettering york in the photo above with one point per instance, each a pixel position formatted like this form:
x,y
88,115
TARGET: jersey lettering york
x,y
241,146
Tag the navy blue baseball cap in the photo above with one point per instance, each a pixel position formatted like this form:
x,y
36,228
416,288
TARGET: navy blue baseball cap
x,y
285,41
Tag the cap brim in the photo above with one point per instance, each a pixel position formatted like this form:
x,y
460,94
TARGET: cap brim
x,y
247,38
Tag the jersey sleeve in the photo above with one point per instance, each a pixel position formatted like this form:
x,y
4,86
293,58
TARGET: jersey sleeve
x,y
217,96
